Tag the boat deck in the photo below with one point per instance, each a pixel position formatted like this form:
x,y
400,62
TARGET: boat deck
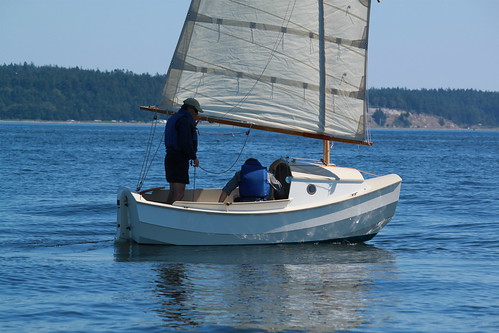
x,y
207,199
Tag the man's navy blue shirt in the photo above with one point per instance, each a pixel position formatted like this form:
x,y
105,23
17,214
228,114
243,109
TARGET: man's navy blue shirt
x,y
181,134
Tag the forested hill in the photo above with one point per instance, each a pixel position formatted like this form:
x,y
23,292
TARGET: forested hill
x,y
52,93
464,107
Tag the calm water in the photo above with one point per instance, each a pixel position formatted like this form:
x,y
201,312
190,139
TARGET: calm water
x,y
433,268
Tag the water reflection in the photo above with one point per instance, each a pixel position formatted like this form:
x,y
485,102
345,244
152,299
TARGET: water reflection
x,y
324,287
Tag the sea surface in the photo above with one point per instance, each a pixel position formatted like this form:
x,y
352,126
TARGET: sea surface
x,y
434,268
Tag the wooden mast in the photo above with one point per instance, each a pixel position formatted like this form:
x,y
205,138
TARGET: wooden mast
x,y
326,152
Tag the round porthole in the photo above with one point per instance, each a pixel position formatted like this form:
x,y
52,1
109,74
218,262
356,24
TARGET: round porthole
x,y
311,189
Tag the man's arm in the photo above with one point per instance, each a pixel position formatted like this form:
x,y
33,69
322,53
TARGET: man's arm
x,y
185,140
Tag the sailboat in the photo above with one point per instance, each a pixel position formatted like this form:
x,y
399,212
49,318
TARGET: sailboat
x,y
286,66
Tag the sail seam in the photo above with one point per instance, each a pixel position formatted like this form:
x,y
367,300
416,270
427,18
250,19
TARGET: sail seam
x,y
267,79
362,44
280,53
268,121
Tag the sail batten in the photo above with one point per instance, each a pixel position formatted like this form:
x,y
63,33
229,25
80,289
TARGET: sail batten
x,y
260,60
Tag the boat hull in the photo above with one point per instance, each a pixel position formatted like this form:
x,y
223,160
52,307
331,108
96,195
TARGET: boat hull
x,y
354,217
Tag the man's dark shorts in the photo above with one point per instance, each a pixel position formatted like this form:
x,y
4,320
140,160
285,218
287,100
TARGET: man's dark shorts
x,y
176,167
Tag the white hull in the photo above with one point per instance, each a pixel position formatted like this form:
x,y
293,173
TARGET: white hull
x,y
343,207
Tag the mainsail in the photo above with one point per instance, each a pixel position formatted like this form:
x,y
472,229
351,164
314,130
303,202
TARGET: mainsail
x,y
293,66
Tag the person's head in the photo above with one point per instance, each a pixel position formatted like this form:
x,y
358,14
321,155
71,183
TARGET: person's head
x,y
191,104
252,161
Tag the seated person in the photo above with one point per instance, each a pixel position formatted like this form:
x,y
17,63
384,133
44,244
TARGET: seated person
x,y
252,180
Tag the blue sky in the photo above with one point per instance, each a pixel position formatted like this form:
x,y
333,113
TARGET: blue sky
x,y
414,43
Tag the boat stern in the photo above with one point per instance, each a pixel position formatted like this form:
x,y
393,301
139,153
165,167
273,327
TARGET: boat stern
x,y
123,215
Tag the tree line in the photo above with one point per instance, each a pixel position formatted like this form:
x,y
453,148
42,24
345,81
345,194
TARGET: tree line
x,y
51,93
465,107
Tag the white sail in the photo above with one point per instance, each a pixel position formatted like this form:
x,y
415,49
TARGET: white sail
x,y
295,65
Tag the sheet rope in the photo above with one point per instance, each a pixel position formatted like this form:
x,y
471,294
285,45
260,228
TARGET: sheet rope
x,y
235,161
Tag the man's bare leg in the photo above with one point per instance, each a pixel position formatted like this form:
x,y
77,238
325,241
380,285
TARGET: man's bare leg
x,y
177,191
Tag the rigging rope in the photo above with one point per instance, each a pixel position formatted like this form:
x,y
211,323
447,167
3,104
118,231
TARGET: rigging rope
x,y
234,163
149,158
147,161
194,185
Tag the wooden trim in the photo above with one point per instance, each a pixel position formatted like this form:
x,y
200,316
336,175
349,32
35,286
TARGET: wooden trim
x,y
151,189
263,128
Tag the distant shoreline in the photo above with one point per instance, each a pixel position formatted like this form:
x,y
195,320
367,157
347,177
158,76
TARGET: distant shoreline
x,y
100,122
103,122
74,122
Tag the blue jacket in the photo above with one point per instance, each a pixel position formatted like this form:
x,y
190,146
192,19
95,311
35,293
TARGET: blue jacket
x,y
181,134
253,181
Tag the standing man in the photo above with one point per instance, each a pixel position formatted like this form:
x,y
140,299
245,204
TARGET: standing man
x,y
181,142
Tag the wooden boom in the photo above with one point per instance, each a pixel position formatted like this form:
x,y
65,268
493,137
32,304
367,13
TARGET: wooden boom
x,y
263,128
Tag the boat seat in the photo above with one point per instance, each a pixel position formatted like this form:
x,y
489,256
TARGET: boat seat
x,y
281,172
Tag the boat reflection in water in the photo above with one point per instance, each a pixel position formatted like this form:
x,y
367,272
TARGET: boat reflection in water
x,y
323,287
